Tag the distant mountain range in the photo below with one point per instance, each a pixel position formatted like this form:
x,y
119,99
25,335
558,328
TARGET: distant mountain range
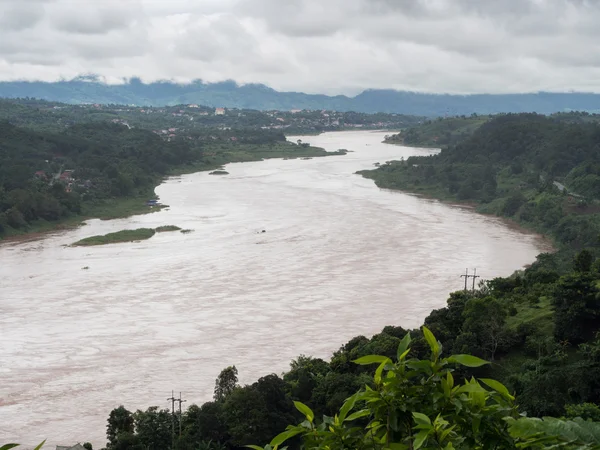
x,y
258,96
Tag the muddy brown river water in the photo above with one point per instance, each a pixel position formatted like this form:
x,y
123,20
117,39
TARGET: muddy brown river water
x,y
339,258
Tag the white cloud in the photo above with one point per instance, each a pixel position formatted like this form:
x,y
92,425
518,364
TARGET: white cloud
x,y
333,46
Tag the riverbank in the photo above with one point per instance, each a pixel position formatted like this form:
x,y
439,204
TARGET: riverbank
x,y
118,208
546,242
430,192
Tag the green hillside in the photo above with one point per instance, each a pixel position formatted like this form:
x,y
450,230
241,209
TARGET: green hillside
x,y
438,133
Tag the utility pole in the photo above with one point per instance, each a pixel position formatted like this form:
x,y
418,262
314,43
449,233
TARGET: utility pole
x,y
466,276
172,419
474,276
180,402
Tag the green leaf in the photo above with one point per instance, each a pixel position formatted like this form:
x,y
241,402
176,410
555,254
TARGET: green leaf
x,y
282,437
450,380
467,360
497,386
403,346
471,388
253,447
358,415
431,340
403,355
420,439
421,418
7,446
379,370
305,410
370,359
40,445
419,365
346,407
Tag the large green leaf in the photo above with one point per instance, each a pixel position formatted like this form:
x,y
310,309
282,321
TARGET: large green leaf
x,y
346,407
467,360
282,437
379,370
305,410
497,386
403,346
431,340
421,418
420,439
471,387
40,445
578,433
8,446
371,359
358,415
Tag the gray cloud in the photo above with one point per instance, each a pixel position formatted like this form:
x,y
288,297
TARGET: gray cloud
x,y
333,46
18,16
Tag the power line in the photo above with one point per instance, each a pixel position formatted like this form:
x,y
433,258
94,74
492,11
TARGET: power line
x,y
172,398
180,402
466,276
474,276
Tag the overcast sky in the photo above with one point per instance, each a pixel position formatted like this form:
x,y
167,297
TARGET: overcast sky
x,y
317,46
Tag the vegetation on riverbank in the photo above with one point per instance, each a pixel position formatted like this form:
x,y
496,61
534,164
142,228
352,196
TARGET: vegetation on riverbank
x,y
438,133
52,176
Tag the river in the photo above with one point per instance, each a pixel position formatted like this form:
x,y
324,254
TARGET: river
x,y
339,258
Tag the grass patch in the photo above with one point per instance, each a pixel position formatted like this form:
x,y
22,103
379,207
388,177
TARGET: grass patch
x,y
539,314
219,172
117,237
164,228
117,208
186,231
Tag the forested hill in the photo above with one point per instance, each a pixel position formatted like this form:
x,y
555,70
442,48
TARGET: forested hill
x,y
61,163
258,96
48,176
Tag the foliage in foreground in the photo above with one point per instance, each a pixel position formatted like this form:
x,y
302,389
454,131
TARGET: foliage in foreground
x,y
9,446
416,404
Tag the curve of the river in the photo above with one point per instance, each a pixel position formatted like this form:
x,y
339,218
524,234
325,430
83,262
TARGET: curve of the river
x,y
339,258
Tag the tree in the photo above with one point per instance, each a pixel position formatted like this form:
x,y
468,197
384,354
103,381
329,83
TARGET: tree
x,y
485,318
576,308
246,416
583,261
153,428
304,375
203,424
225,383
120,424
